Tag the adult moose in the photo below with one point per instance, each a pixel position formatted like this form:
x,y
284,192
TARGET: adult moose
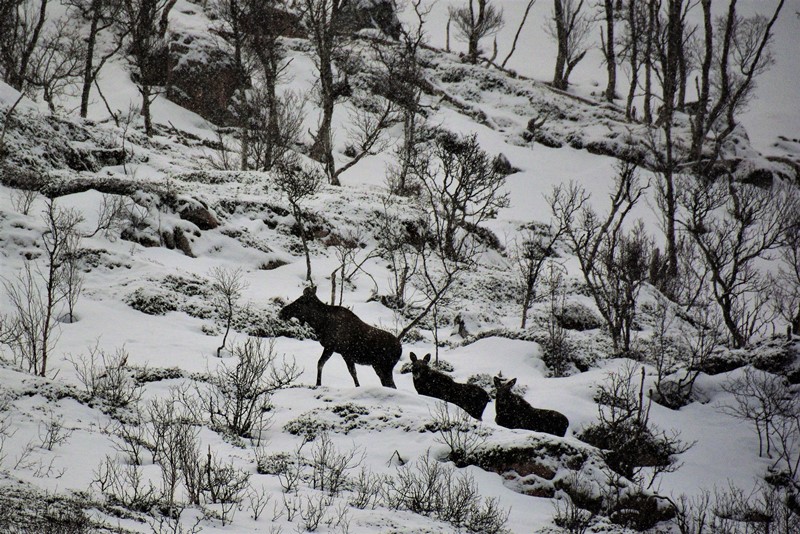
x,y
514,412
427,381
340,330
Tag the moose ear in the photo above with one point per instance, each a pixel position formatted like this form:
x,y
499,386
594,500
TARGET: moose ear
x,y
427,358
497,382
310,290
511,382
413,357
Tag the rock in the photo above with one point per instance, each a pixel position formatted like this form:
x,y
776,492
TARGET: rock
x,y
576,316
182,242
377,14
200,216
203,77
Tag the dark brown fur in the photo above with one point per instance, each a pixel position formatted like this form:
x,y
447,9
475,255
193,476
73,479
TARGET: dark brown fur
x,y
514,412
433,383
340,330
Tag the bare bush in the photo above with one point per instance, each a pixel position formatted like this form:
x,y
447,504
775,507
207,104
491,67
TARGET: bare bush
x,y
107,376
459,431
632,447
125,485
52,432
558,350
22,200
733,510
434,489
238,397
330,468
365,489
770,403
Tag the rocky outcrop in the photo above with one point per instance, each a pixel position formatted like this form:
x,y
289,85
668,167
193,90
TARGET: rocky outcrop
x,y
203,77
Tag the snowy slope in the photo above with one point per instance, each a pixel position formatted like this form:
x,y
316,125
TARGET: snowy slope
x,y
382,424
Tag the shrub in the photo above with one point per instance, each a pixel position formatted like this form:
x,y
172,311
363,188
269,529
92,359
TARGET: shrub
x,y
624,432
238,398
434,489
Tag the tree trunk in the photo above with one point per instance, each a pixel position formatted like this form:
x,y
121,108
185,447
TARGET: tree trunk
x,y
561,37
648,63
634,61
698,124
88,68
609,52
145,90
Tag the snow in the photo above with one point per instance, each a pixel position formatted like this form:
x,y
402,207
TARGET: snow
x,y
725,449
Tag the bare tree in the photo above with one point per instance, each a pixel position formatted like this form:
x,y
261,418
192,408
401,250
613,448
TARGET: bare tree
x,y
227,286
734,226
570,25
462,188
21,23
298,182
398,242
401,82
787,282
323,19
270,126
38,294
475,24
735,53
537,245
253,28
635,18
101,16
613,262
608,44
145,22
55,64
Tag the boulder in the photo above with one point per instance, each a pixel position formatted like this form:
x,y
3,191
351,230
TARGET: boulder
x,y
203,77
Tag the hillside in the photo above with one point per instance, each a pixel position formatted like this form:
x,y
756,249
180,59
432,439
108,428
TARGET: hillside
x,y
151,417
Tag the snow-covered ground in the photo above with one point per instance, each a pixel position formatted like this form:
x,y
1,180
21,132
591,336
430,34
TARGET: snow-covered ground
x,y
387,427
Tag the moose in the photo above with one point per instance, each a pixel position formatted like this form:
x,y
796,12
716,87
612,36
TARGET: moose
x,y
433,383
340,330
514,412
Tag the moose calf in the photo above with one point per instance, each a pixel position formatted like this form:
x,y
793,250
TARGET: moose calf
x,y
514,412
340,330
433,383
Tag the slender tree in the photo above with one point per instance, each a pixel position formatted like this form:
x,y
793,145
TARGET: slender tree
x,y
21,25
100,16
475,24
145,22
570,25
323,20
609,48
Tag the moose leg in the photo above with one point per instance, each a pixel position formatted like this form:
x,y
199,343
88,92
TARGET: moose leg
x,y
351,366
326,355
385,377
